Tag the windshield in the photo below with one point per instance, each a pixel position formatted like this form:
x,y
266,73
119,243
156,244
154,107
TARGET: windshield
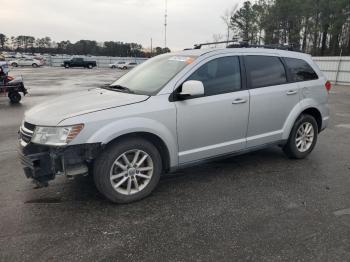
x,y
149,77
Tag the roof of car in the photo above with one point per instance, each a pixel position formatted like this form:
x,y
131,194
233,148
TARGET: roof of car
x,y
199,52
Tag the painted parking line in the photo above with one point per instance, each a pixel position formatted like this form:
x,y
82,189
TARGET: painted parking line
x,y
342,212
343,125
343,114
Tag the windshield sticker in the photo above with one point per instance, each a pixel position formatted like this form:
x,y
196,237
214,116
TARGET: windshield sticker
x,y
189,60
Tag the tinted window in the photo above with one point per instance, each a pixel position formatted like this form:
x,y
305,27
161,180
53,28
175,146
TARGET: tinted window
x,y
300,70
221,75
265,71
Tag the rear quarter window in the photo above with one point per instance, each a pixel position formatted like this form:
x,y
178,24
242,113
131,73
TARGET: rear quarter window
x,y
300,70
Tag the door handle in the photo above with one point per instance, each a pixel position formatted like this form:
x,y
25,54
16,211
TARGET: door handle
x,y
291,92
239,101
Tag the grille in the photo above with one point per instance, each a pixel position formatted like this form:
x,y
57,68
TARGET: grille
x,y
29,126
26,132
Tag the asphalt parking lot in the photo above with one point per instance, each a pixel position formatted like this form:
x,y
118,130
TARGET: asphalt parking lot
x,y
256,207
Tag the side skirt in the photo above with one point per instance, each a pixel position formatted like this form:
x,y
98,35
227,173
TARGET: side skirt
x,y
224,156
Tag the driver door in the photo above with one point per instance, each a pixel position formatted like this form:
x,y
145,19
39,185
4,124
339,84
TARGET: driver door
x,y
216,123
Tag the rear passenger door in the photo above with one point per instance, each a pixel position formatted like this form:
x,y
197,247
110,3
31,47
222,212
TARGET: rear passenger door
x,y
272,98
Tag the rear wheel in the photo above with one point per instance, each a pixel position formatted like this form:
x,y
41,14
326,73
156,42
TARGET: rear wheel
x,y
302,138
124,67
34,65
90,66
14,97
14,64
128,170
66,66
113,66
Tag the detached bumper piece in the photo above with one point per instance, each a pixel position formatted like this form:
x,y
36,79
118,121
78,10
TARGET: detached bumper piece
x,y
43,163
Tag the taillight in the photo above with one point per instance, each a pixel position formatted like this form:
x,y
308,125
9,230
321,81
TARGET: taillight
x,y
9,78
328,86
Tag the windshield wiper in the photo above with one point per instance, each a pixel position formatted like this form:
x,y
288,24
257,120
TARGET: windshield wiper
x,y
120,88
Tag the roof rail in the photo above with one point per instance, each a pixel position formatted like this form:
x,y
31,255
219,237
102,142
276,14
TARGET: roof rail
x,y
245,44
199,46
289,47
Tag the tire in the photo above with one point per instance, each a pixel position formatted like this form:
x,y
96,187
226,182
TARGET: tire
x,y
34,65
14,64
113,66
105,166
124,67
14,97
66,66
299,145
90,66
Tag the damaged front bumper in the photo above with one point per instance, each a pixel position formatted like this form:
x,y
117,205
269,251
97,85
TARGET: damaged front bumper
x,y
42,163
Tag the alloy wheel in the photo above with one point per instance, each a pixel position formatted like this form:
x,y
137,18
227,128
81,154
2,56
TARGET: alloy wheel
x,y
304,137
131,172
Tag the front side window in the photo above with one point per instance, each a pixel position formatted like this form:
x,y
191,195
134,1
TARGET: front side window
x,y
151,76
300,70
265,71
219,76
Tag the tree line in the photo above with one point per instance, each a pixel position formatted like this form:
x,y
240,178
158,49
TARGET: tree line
x,y
318,27
30,44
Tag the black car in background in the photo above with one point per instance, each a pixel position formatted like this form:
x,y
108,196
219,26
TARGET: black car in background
x,y
79,62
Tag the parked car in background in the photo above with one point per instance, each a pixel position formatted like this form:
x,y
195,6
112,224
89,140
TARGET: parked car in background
x,y
79,62
116,64
127,65
27,62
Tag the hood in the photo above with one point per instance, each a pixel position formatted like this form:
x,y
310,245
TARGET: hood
x,y
52,112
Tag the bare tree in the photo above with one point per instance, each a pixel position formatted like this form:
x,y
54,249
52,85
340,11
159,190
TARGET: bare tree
x,y
226,18
217,38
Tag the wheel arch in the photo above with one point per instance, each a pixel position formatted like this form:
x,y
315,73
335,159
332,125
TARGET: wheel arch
x,y
315,113
154,139
302,108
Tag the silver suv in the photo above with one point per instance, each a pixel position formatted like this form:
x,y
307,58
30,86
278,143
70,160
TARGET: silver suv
x,y
173,111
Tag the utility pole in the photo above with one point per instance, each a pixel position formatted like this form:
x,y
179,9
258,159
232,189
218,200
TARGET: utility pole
x,y
165,21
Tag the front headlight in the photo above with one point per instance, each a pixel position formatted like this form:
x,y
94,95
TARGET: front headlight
x,y
55,136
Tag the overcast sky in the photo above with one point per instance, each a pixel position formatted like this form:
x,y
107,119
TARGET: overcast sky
x,y
189,21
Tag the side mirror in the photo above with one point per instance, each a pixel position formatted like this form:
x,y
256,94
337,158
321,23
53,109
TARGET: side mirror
x,y
191,88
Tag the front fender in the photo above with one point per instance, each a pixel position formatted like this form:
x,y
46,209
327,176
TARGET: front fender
x,y
295,113
118,128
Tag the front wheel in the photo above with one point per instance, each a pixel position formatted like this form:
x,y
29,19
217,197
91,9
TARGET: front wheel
x,y
128,170
66,66
90,66
14,97
34,65
302,138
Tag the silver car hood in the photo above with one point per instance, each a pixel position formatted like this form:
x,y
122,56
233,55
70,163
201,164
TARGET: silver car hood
x,y
52,112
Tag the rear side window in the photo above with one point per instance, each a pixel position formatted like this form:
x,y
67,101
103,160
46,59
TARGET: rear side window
x,y
265,71
300,70
219,76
